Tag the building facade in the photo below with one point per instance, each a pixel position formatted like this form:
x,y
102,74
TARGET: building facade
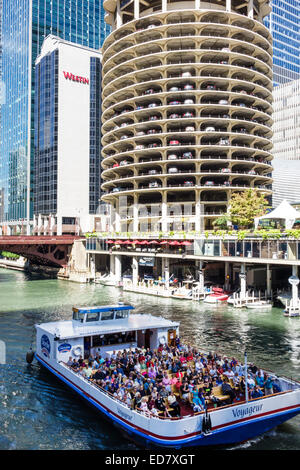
x,y
286,116
187,104
286,181
284,25
67,137
25,24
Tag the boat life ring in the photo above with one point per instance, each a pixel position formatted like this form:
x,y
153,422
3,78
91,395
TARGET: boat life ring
x,y
77,351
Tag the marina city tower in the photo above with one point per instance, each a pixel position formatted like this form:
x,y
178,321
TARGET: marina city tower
x,y
187,105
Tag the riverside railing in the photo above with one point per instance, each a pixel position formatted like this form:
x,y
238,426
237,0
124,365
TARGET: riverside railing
x,y
250,247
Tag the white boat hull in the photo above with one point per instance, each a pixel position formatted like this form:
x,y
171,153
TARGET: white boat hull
x,y
230,424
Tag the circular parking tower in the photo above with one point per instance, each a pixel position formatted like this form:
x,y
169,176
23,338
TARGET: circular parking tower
x,y
187,104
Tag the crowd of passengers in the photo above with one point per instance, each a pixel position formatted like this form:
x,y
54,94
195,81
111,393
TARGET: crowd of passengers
x,y
162,381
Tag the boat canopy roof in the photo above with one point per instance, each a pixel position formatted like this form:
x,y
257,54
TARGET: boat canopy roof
x,y
134,322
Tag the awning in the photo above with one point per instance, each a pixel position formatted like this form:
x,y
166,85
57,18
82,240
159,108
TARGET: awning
x,y
284,212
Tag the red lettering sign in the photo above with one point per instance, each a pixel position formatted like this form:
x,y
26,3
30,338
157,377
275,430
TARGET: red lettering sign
x,y
76,78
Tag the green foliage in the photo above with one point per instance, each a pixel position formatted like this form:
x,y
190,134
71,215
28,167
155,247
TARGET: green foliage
x,y
245,206
221,222
7,254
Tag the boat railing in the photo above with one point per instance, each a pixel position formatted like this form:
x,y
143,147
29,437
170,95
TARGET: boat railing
x,y
176,418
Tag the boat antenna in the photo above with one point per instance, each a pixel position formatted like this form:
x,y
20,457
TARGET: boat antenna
x,y
246,377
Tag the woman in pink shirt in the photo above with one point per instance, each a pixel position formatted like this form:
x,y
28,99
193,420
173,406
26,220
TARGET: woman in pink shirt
x,y
166,381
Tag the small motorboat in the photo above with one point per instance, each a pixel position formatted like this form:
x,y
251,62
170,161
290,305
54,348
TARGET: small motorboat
x,y
217,295
259,305
106,280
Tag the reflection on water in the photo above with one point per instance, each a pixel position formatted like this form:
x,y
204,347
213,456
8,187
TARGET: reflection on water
x,y
38,412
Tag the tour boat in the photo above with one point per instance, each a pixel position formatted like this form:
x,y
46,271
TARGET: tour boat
x,y
217,295
109,329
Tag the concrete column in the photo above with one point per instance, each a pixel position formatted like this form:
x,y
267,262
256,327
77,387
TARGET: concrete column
x,y
93,265
269,280
59,226
201,277
164,5
39,223
198,212
119,16
117,219
136,9
295,294
112,265
118,269
166,270
135,270
135,214
28,229
228,5
197,4
250,9
227,275
243,280
164,212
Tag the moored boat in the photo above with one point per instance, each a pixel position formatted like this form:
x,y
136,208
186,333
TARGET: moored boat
x,y
217,295
259,305
112,331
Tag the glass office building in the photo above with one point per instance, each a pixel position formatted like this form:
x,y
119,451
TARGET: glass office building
x,y
284,23
24,25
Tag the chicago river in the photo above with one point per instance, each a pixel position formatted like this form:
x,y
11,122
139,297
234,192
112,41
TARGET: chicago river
x,y
38,412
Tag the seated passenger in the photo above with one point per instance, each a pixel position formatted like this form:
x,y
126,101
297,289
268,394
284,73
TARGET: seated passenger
x,y
256,392
227,390
197,401
172,400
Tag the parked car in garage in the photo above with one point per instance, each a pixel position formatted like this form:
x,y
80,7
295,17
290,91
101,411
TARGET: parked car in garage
x,y
173,169
188,114
173,156
188,86
187,155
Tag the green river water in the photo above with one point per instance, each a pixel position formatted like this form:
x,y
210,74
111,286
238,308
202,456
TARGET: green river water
x,y
38,412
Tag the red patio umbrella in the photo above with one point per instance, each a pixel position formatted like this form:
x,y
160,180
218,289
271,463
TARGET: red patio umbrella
x,y
175,243
144,242
186,243
110,242
136,242
164,242
127,242
119,242
154,242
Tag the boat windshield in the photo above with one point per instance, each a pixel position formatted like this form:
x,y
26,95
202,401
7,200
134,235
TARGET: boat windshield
x,y
92,316
107,315
79,316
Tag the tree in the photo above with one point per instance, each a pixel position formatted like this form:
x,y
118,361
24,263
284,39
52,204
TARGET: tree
x,y
221,222
245,206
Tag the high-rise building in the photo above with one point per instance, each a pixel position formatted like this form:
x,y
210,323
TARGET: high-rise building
x,y
187,104
284,25
25,24
286,116
67,130
286,181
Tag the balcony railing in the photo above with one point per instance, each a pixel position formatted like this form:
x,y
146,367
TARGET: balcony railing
x,y
252,247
